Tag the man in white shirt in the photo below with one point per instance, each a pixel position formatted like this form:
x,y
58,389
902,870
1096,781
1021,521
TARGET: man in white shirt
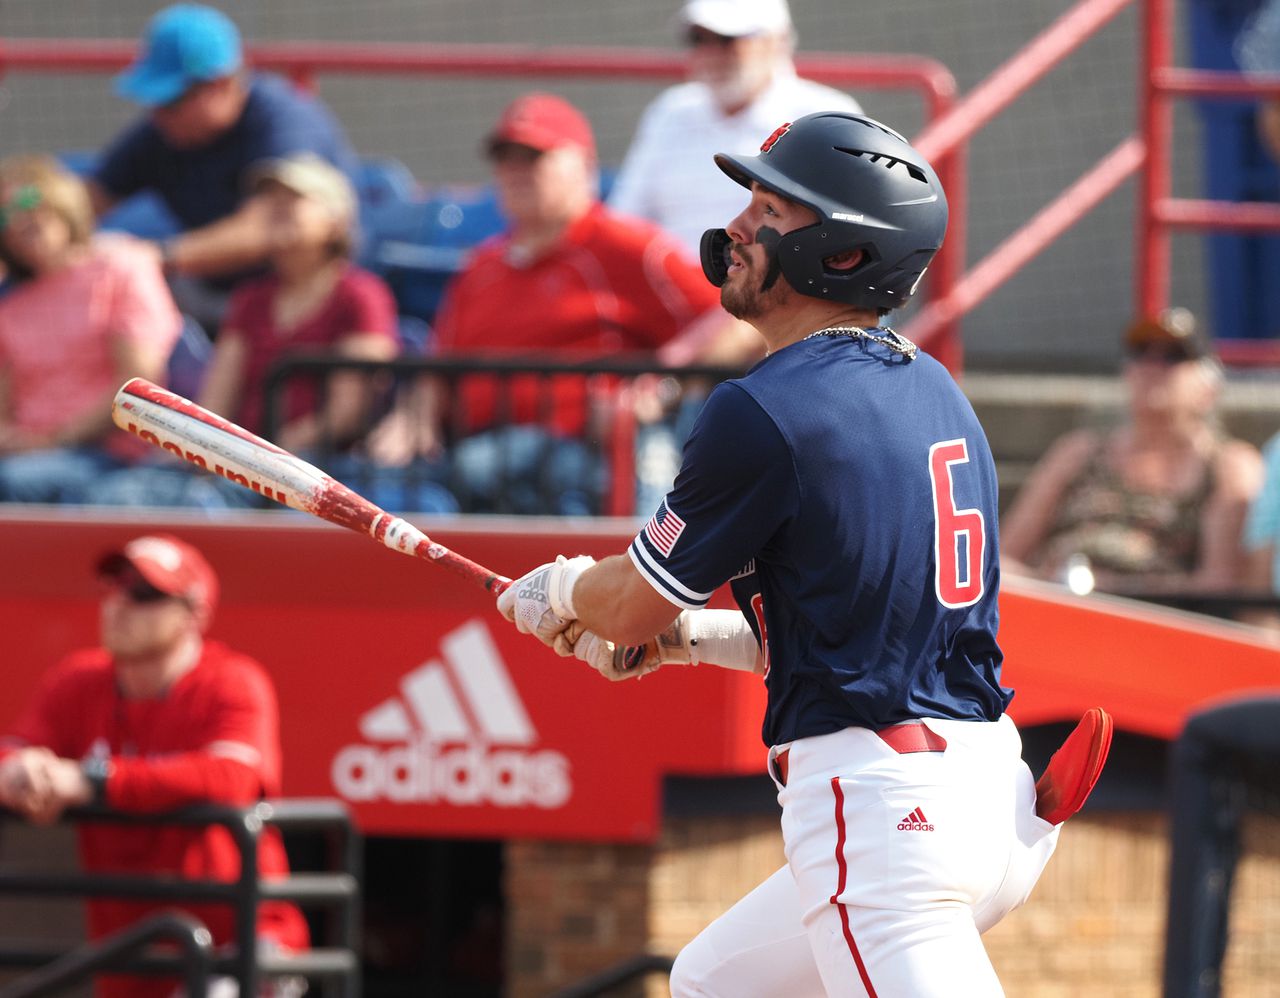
x,y
742,86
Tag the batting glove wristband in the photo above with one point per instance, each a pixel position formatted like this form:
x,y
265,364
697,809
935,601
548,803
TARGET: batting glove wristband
x,y
541,602
718,637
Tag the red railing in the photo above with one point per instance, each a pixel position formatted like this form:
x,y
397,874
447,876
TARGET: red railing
x,y
1149,155
1159,213
302,61
979,107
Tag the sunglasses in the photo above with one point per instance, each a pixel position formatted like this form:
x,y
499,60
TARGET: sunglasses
x,y
137,589
1163,353
515,153
698,37
25,198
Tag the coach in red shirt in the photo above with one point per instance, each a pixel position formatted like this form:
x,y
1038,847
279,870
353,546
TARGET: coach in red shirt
x,y
570,280
156,718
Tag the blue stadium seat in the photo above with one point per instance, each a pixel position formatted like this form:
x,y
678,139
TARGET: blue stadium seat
x,y
427,243
385,182
189,359
414,335
422,243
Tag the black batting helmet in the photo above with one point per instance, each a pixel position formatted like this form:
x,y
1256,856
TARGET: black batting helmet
x,y
872,192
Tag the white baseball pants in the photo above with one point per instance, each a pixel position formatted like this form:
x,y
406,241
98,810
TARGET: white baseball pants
x,y
895,865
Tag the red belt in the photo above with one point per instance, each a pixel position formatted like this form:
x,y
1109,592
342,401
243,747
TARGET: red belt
x,y
902,738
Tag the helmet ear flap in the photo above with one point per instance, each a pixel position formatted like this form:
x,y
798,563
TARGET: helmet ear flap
x,y
714,253
803,254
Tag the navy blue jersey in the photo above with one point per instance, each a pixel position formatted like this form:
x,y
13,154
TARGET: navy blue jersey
x,y
850,496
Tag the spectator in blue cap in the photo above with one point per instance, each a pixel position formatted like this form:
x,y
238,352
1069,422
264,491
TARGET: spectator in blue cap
x,y
209,124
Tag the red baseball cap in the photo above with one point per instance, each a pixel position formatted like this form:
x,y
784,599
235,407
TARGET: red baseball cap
x,y
170,565
544,122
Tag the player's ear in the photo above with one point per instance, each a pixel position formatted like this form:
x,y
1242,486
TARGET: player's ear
x,y
844,261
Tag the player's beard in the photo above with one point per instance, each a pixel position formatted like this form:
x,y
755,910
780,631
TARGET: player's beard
x,y
747,294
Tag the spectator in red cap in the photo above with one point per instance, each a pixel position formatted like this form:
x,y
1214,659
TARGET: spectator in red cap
x,y
569,279
156,718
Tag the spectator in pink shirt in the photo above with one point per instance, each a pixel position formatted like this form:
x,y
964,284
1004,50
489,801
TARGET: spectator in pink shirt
x,y
83,315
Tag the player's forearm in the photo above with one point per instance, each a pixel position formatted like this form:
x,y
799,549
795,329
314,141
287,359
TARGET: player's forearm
x,y
612,600
90,426
1269,127
346,413
233,243
148,786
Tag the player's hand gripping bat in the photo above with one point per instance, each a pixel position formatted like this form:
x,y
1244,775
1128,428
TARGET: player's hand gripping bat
x,y
208,441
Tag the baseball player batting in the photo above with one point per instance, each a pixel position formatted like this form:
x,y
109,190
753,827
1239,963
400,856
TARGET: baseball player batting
x,y
845,490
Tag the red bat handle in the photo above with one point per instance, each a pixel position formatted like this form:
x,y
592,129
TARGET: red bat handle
x,y
490,581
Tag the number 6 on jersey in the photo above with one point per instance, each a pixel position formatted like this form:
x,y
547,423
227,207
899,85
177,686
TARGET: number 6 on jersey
x,y
959,536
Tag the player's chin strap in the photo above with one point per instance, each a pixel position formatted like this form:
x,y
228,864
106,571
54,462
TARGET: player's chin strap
x,y
714,253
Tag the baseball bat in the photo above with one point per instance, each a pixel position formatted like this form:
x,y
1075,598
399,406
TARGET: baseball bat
x,y
219,446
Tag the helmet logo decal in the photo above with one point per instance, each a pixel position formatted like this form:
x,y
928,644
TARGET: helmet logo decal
x,y
845,216
772,140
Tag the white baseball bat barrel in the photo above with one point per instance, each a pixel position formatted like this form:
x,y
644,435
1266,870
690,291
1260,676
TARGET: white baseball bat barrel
x,y
220,447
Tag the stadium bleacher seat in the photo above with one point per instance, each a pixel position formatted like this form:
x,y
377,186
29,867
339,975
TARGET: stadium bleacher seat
x,y
416,240
427,243
189,358
422,243
414,335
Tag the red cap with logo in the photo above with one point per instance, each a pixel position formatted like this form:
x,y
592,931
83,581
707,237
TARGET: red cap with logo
x,y
171,565
543,122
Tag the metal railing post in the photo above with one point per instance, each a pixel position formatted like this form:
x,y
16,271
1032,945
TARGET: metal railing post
x,y
1152,253
247,832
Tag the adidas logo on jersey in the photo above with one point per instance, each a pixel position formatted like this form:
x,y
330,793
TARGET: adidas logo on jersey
x,y
465,737
915,822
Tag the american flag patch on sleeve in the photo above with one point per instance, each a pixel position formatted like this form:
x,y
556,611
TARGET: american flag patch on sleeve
x,y
664,529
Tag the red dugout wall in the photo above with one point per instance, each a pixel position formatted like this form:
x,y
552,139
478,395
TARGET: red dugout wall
x,y
404,692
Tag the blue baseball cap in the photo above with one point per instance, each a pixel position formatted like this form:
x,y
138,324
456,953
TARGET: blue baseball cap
x,y
184,45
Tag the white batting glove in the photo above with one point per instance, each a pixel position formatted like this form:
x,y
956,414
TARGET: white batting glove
x,y
541,602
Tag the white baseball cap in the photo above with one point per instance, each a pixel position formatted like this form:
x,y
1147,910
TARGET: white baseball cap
x,y
737,18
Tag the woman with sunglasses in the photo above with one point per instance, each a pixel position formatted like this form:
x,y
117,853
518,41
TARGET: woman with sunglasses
x,y
82,315
1155,504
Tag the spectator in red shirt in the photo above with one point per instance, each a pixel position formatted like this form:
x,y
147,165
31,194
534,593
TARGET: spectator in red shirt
x,y
569,280
155,719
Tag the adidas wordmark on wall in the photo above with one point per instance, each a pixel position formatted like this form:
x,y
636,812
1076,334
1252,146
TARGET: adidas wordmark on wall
x,y
464,737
